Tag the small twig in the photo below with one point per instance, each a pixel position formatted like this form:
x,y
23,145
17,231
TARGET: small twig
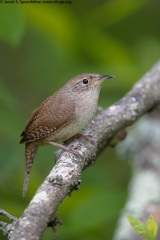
x,y
7,228
4,213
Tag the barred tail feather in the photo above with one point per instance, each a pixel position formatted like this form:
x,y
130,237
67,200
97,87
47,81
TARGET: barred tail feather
x,y
30,152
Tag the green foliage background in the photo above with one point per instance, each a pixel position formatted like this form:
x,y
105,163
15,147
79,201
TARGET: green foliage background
x,y
41,47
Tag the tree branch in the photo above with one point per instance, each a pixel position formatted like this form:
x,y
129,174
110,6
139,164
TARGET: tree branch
x,y
65,176
142,148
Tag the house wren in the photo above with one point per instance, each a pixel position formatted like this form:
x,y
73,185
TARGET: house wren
x,y
61,116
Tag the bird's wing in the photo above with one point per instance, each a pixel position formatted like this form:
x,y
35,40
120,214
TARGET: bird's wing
x,y
52,115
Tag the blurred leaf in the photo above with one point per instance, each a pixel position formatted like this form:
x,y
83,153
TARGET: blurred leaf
x,y
66,32
10,113
7,100
12,24
111,12
152,226
56,22
139,227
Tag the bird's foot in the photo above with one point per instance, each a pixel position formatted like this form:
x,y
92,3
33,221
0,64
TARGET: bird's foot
x,y
88,137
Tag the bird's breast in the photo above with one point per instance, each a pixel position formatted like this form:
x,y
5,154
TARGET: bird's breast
x,y
86,107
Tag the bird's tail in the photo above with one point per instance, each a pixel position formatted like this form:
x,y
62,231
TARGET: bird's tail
x,y
30,152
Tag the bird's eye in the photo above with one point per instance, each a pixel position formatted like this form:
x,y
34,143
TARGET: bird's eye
x,y
85,81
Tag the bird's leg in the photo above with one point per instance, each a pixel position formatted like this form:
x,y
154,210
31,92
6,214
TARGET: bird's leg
x,y
68,149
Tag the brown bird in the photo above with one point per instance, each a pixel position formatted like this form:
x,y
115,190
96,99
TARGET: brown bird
x,y
61,116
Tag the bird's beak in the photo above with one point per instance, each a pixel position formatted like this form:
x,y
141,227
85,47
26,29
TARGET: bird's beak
x,y
101,79
107,77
